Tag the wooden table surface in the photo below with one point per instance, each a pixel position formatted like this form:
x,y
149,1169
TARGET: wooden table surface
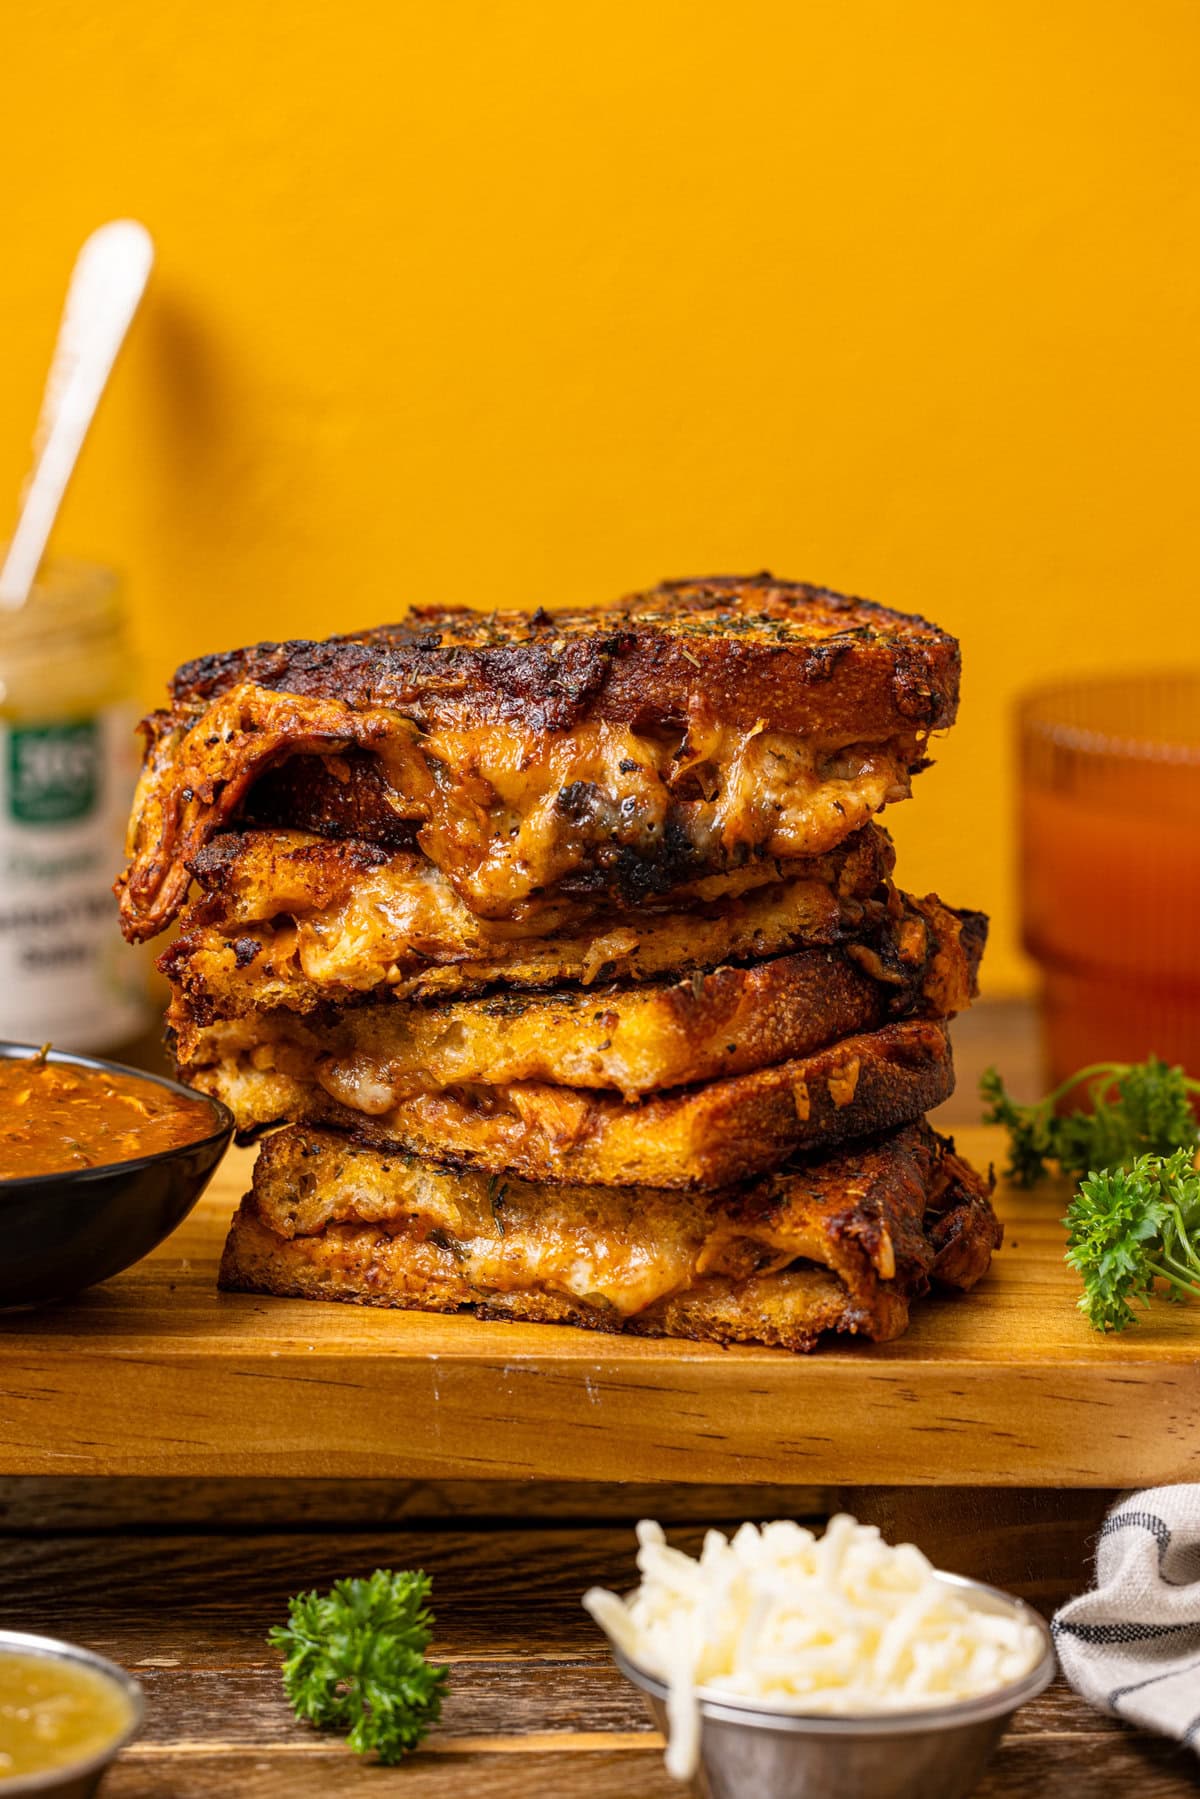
x,y
179,1575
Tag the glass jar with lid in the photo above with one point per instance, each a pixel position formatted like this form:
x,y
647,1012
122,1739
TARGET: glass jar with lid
x,y
68,763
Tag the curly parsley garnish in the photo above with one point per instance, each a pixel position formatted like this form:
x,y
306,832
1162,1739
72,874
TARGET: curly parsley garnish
x,y
354,1660
1136,1108
1131,1227
1135,1218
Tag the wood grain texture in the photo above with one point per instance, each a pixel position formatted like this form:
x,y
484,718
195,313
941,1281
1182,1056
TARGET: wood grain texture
x,y
1096,1765
1040,1551
156,1373
535,1704
1037,1543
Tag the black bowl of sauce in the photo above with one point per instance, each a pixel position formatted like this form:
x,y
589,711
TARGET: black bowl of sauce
x,y
98,1163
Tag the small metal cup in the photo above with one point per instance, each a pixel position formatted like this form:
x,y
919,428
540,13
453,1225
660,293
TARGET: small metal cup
x,y
81,1779
932,1753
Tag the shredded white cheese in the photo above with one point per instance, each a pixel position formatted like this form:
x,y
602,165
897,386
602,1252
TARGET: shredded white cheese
x,y
841,1624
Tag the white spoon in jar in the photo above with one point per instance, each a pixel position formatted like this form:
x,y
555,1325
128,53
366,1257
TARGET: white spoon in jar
x,y
107,282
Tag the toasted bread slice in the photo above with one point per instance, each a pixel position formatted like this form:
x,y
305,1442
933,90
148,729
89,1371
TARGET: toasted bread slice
x,y
844,1244
706,1136
634,1039
625,752
292,920
803,657
790,1310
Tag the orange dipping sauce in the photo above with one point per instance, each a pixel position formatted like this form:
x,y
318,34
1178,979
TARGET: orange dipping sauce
x,y
55,1116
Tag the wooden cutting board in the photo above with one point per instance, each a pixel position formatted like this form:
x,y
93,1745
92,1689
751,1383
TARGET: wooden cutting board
x,y
156,1373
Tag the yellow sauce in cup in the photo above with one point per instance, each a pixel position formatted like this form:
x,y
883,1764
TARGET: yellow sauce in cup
x,y
54,1713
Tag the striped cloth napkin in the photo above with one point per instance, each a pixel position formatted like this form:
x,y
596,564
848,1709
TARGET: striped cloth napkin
x,y
1131,1646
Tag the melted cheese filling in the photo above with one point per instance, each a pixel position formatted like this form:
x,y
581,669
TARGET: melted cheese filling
x,y
633,1039
359,946
383,926
514,816
625,1249
507,814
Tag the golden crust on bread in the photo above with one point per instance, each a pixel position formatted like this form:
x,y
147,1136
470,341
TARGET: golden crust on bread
x,y
629,1037
705,1136
369,1267
805,657
841,1244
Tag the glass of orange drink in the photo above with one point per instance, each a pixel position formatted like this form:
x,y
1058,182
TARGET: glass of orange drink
x,y
1110,867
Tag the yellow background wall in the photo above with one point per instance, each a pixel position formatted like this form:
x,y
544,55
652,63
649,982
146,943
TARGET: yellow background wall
x,y
538,302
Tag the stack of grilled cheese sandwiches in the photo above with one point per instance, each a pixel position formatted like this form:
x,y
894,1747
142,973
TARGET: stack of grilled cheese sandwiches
x,y
561,956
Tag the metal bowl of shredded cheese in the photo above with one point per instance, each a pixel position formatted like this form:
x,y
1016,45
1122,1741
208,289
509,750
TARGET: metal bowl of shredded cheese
x,y
782,1663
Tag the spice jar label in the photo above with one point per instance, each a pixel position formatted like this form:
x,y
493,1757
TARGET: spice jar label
x,y
65,976
54,772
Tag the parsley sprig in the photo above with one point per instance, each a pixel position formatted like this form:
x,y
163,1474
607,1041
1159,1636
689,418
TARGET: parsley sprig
x,y
1135,1218
1130,1227
354,1660
1136,1108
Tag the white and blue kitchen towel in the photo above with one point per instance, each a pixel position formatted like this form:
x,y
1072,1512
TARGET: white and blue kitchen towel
x,y
1131,1646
